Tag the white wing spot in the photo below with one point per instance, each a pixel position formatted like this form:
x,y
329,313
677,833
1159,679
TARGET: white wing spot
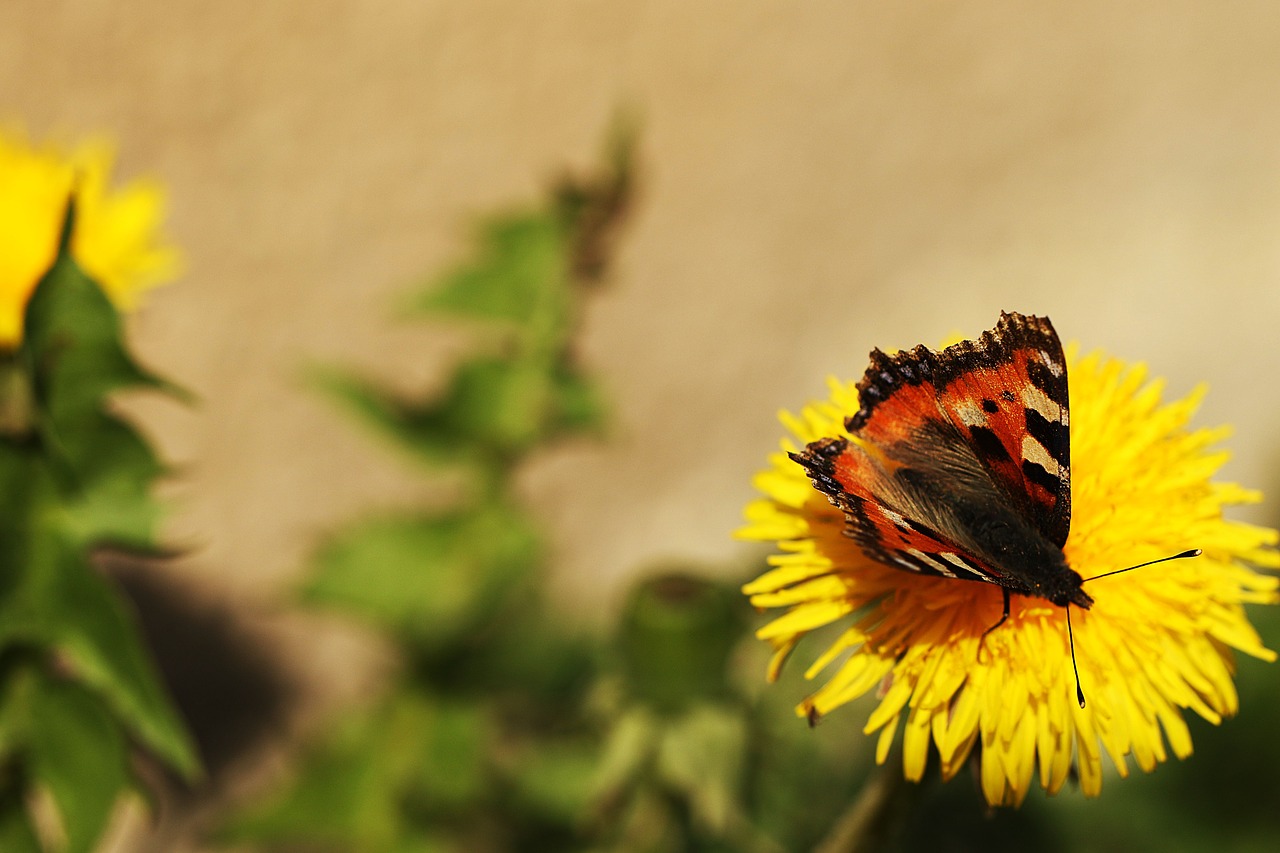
x,y
1054,367
955,560
971,415
1034,398
906,564
895,518
928,558
1034,451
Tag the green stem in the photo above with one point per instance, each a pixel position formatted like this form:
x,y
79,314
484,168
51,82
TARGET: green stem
x,y
871,821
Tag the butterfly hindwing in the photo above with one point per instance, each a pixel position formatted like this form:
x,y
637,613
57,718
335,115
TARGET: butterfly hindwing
x,y
883,518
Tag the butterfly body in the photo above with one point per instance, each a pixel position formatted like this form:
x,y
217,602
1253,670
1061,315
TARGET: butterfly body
x,y
957,463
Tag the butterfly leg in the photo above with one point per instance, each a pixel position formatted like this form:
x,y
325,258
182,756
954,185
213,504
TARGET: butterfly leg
x,y
1003,618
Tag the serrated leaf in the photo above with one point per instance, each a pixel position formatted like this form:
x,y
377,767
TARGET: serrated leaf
x,y
79,755
429,578
74,359
110,501
90,626
520,271
72,341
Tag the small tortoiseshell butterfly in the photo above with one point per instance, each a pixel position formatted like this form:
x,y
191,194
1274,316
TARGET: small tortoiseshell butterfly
x,y
958,463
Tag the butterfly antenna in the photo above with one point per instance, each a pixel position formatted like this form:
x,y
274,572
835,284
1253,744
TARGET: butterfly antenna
x,y
1194,552
1071,638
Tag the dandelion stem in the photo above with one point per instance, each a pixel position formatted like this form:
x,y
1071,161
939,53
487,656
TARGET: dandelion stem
x,y
875,815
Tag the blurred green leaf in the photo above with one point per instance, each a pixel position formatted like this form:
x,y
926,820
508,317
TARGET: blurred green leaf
x,y
339,796
557,779
74,359
72,476
444,752
519,274
353,788
72,342
534,653
499,404
482,739
629,748
79,754
427,578
27,493
701,756
17,835
90,626
493,409
17,688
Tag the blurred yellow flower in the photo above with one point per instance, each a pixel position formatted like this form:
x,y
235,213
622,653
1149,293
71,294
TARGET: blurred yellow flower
x,y
116,241
1156,641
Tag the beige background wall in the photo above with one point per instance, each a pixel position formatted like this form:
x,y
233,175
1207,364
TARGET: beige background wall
x,y
820,177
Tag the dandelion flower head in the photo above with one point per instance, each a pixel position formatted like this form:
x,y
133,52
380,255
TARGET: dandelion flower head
x,y
116,240
1156,641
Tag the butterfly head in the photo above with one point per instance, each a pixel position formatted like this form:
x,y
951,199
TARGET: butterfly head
x,y
1069,592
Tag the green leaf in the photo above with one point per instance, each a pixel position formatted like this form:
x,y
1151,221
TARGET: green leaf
x,y
520,271
27,494
500,404
493,408
353,790
558,779
18,684
578,405
17,835
629,749
74,358
90,626
112,500
72,341
372,406
432,579
702,756
79,754
444,747
344,795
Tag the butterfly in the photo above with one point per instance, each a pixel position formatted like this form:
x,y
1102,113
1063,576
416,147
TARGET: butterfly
x,y
958,464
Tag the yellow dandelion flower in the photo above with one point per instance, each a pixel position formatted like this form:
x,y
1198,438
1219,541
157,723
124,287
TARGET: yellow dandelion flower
x,y
116,239
1153,642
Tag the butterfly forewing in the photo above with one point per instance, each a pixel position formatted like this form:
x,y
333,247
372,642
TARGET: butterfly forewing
x,y
958,461
1006,393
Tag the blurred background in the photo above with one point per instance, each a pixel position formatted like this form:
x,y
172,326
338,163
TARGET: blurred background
x,y
813,180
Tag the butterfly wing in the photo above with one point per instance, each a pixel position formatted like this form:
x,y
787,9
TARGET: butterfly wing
x,y
886,515
958,462
1004,396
